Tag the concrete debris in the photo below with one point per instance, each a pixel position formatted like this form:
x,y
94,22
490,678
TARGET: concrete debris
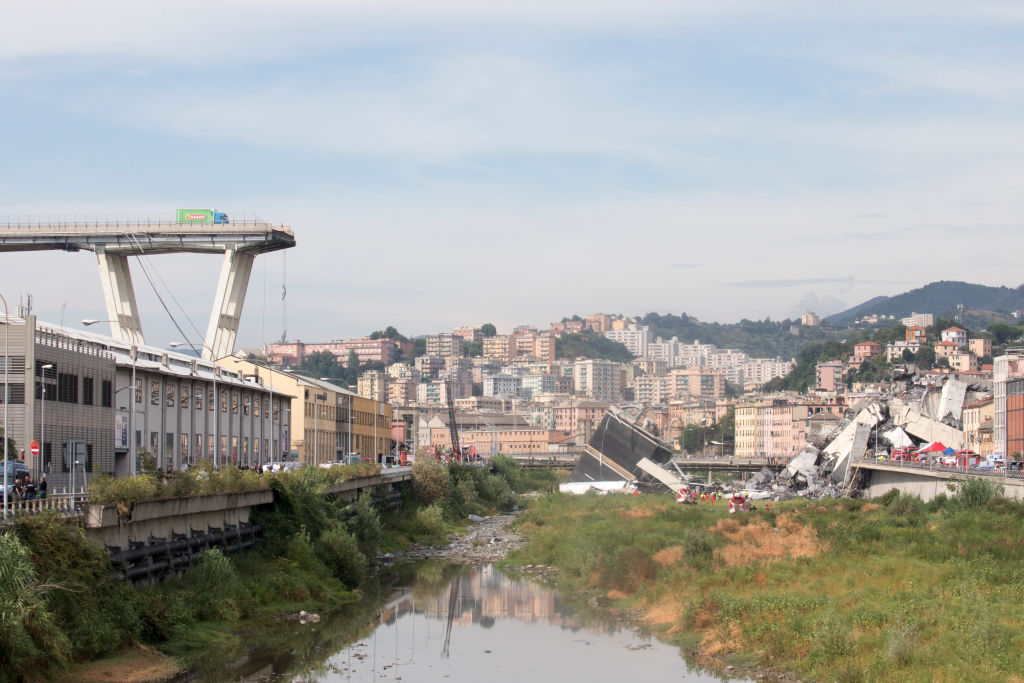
x,y
898,438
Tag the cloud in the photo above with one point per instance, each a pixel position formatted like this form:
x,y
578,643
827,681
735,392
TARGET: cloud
x,y
823,305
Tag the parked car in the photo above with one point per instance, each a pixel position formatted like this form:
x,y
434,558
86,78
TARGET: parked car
x,y
17,472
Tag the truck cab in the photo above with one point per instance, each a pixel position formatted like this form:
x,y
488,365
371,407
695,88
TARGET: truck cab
x,y
220,217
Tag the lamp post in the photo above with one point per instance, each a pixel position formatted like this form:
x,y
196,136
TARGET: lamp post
x,y
7,396
42,420
216,397
132,465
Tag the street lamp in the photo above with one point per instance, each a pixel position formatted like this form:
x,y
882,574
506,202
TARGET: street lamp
x,y
132,465
42,422
216,398
7,396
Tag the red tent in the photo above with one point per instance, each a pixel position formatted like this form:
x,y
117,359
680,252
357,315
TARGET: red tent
x,y
933,447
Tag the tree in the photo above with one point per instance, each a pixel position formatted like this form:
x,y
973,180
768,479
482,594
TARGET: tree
x,y
925,357
321,364
488,330
908,355
388,333
352,363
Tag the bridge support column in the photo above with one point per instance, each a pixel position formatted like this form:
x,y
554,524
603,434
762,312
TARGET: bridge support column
x,y
116,278
227,304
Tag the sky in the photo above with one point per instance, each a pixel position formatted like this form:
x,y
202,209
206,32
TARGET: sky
x,y
452,162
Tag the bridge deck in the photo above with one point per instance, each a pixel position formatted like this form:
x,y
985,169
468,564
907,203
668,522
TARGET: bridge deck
x,y
127,237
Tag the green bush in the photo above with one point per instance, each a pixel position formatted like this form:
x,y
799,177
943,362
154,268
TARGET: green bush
x,y
95,611
219,593
339,550
430,481
975,492
429,521
32,645
366,525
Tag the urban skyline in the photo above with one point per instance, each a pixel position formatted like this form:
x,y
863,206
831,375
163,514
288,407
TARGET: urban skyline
x,y
715,158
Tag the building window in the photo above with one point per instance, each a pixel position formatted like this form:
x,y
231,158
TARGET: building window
x,y
154,393
67,388
223,401
199,399
169,395
246,401
17,394
209,400
256,405
234,403
106,393
138,390
183,402
87,388
169,454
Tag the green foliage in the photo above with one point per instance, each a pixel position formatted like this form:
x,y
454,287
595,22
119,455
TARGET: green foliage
x,y
218,588
429,522
591,345
430,481
94,611
925,357
520,480
339,550
201,478
488,330
389,333
32,645
366,525
976,492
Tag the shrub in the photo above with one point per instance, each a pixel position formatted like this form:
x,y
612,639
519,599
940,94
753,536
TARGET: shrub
x,y
218,589
429,521
31,644
975,492
366,525
430,481
339,550
631,567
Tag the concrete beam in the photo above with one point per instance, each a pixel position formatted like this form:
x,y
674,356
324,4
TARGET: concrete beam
x,y
119,293
227,304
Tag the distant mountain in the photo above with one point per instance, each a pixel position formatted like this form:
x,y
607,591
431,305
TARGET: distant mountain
x,y
940,298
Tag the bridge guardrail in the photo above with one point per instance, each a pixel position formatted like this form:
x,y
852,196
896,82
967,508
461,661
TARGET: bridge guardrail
x,y
938,467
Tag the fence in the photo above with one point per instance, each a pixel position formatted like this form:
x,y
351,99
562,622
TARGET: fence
x,y
63,502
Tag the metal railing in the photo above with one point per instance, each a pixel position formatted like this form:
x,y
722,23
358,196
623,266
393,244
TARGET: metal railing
x,y
87,227
64,503
939,467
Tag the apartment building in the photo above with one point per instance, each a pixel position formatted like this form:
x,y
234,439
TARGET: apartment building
x,y
401,392
578,417
698,382
445,345
829,375
918,320
635,338
499,347
916,334
954,334
1006,368
894,350
428,367
504,386
977,423
373,385
980,347
597,379
468,333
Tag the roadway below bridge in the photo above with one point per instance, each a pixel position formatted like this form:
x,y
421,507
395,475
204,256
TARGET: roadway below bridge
x,y
727,464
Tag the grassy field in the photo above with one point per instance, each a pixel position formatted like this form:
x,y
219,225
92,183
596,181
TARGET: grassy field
x,y
844,590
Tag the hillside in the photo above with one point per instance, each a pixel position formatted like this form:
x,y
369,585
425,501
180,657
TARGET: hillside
x,y
940,298
759,338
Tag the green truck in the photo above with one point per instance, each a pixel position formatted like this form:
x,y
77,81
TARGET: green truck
x,y
201,216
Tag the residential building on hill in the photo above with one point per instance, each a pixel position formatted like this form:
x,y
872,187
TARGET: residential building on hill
x,y
918,320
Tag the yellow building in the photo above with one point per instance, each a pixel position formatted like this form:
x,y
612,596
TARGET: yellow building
x,y
327,420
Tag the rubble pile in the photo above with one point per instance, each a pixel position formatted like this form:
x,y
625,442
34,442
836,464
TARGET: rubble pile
x,y
873,426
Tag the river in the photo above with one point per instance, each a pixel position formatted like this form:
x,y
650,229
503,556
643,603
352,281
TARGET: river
x,y
435,621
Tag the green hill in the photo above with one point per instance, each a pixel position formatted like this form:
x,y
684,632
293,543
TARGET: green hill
x,y
940,298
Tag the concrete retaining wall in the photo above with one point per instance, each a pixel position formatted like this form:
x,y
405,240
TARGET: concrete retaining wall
x,y
163,517
926,485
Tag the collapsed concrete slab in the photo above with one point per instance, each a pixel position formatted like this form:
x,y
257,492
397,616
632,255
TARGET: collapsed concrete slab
x,y
898,438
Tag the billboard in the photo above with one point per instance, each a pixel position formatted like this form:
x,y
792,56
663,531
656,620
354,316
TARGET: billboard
x,y
195,216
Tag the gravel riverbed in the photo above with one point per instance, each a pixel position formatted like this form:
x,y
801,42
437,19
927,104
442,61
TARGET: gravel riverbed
x,y
487,540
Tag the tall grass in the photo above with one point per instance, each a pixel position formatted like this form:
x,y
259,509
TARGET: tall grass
x,y
896,591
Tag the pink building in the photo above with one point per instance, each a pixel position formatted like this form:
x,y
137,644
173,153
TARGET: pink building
x,y
829,375
981,347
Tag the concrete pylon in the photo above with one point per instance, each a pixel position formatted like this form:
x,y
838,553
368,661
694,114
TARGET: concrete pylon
x,y
119,293
227,304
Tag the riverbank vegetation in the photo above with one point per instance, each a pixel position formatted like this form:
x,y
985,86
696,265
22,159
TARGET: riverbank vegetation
x,y
202,478
60,604
845,590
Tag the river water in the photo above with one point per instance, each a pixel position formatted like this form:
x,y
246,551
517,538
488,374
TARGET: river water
x,y
434,621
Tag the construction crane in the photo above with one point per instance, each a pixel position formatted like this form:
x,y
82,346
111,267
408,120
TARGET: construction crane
x,y
456,451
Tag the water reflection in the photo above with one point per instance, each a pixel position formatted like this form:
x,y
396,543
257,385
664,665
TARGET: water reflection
x,y
480,622
433,621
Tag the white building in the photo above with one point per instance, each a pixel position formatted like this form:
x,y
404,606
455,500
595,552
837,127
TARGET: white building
x,y
600,380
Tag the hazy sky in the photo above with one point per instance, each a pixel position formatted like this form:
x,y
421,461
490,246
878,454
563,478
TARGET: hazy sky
x,y
453,162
